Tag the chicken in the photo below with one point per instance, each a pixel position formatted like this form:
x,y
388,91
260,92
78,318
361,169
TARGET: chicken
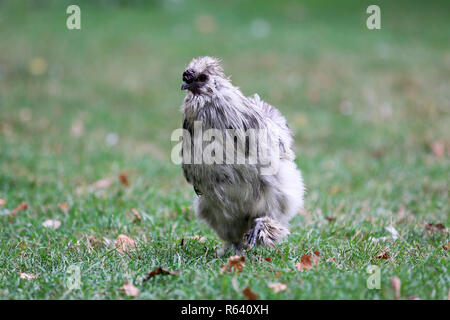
x,y
237,154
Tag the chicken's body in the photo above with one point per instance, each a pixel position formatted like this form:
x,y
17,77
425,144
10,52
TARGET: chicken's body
x,y
237,199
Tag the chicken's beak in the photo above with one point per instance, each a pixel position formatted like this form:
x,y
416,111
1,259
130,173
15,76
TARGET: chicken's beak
x,y
184,86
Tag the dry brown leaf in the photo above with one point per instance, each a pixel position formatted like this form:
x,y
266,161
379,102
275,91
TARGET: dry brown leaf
x,y
277,287
383,255
130,289
52,224
439,227
234,264
249,294
200,239
330,219
123,178
20,207
308,261
27,275
396,286
136,214
102,184
445,246
124,243
92,241
438,148
64,206
160,271
2,202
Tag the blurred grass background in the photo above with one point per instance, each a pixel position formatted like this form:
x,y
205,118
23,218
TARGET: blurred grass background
x,y
369,108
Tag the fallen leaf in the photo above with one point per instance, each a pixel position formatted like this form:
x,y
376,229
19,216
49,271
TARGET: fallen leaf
x,y
445,246
308,261
249,294
102,183
52,224
92,241
330,219
2,202
130,289
383,255
136,214
64,206
27,275
396,286
394,235
393,232
277,287
268,259
20,207
124,243
235,264
160,271
200,239
439,227
438,148
123,178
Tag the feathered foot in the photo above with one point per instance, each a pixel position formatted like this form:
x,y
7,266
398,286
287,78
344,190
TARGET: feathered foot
x,y
267,232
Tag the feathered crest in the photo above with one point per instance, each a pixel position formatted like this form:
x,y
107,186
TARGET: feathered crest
x,y
209,64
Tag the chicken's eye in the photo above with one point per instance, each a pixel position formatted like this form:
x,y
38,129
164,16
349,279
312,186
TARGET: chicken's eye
x,y
202,77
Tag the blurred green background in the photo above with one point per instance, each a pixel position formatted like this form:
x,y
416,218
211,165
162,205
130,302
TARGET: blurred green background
x,y
369,109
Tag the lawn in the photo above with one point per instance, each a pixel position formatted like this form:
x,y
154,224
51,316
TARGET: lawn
x,y
85,123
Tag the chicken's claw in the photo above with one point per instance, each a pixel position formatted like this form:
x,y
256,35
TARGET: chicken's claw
x,y
253,234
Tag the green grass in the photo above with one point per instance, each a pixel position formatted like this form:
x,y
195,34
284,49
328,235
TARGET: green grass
x,y
365,107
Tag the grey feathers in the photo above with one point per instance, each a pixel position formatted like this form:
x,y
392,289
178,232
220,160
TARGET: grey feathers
x,y
235,197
